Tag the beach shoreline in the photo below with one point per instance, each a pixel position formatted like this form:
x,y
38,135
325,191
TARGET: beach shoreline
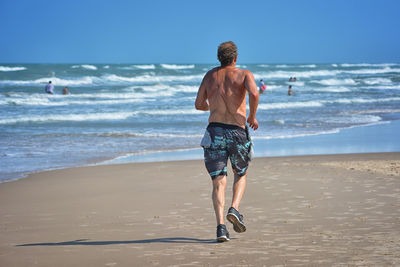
x,y
359,139
115,110
301,210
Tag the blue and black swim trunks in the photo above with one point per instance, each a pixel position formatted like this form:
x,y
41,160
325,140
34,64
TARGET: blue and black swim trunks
x,y
223,141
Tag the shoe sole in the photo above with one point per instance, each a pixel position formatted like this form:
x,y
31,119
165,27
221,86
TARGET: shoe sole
x,y
223,238
237,225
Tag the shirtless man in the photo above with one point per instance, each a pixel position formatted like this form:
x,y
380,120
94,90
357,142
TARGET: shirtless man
x,y
223,93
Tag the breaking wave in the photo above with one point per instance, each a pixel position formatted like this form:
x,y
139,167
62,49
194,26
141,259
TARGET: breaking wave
x,y
4,68
177,67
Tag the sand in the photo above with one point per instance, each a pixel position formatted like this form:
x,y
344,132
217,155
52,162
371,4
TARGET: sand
x,y
334,210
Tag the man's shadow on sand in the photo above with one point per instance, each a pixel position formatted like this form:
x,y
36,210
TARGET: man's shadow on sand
x,y
86,242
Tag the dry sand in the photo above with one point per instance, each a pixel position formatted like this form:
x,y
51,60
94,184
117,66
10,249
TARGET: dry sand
x,y
335,210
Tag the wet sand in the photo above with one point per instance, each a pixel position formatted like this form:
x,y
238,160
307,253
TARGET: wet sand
x,y
333,210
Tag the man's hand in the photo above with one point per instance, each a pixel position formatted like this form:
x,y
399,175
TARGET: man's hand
x,y
253,123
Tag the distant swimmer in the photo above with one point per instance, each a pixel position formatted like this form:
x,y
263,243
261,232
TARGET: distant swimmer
x,y
263,87
290,92
49,88
292,79
65,91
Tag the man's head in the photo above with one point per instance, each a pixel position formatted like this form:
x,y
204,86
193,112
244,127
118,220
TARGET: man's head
x,y
227,53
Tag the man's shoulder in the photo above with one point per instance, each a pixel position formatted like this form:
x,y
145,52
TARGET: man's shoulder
x,y
244,73
210,73
247,73
212,70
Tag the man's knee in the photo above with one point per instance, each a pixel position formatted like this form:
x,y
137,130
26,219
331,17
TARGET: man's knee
x,y
239,177
219,182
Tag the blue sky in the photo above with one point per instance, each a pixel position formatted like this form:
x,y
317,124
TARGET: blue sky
x,y
149,31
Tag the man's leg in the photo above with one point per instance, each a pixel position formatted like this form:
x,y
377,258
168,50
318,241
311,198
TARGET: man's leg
x,y
218,197
239,185
233,215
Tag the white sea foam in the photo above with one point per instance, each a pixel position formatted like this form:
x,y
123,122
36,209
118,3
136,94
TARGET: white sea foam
x,y
152,79
335,82
85,66
30,101
280,122
308,66
96,116
138,134
306,104
106,67
320,103
177,67
334,65
4,68
86,80
273,87
298,74
286,136
363,100
108,79
372,81
126,68
66,101
346,65
187,88
355,119
333,89
280,74
145,67
384,87
296,66
68,117
159,88
378,111
39,99
372,71
172,112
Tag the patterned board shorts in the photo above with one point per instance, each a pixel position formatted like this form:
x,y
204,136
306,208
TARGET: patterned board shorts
x,y
226,141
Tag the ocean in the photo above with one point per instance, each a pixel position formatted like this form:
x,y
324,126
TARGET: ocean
x,y
117,111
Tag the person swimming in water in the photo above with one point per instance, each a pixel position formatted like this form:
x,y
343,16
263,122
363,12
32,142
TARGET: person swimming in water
x,y
49,88
263,87
290,92
65,91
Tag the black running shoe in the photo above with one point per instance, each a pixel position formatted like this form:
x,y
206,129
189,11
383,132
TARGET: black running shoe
x,y
222,233
236,219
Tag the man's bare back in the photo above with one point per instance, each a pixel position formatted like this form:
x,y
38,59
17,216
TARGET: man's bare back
x,y
223,92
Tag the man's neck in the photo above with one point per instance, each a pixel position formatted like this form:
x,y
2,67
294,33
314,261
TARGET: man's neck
x,y
231,66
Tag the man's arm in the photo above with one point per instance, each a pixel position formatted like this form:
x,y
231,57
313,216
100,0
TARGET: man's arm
x,y
251,88
201,99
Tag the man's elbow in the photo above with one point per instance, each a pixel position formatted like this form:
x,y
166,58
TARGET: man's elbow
x,y
254,94
198,106
201,106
